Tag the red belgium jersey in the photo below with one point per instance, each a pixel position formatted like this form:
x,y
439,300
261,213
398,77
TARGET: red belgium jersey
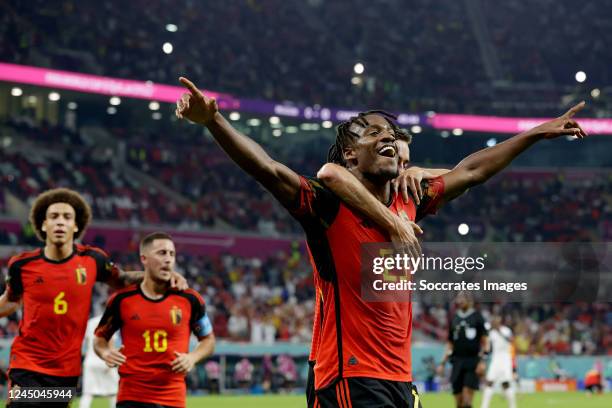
x,y
151,331
56,302
357,338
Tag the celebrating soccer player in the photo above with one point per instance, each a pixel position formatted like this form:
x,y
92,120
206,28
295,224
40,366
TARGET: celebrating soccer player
x,y
363,356
156,323
55,285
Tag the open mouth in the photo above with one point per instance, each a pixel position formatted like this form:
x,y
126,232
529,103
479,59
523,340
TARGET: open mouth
x,y
387,151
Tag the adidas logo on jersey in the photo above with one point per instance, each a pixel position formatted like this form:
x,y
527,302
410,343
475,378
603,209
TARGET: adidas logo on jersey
x,y
135,317
39,280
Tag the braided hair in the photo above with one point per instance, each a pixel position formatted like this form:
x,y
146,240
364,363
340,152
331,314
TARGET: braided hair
x,y
345,137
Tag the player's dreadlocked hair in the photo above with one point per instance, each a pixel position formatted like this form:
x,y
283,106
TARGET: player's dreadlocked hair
x,y
345,136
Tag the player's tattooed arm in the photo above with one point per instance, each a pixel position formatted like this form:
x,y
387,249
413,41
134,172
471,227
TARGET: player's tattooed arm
x,y
8,306
184,362
127,278
409,181
277,178
350,190
484,164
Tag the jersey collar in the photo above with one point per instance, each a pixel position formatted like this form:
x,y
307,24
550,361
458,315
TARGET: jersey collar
x,y
61,261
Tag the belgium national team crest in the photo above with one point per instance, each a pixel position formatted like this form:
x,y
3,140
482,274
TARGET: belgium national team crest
x,y
176,315
81,275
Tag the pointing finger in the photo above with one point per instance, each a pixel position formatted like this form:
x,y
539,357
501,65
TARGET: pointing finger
x,y
575,109
189,85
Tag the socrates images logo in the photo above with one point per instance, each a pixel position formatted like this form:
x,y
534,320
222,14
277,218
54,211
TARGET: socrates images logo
x,y
81,275
176,315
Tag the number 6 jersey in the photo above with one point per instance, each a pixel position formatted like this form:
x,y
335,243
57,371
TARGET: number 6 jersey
x,y
152,330
56,299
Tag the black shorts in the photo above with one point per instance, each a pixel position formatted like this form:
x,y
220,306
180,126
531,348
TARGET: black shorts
x,y
137,404
594,388
26,378
310,391
464,373
367,393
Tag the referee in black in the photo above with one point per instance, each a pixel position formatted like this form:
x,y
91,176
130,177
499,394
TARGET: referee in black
x,y
466,349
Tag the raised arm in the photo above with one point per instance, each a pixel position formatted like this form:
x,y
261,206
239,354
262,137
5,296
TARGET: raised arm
x,y
484,164
350,190
277,178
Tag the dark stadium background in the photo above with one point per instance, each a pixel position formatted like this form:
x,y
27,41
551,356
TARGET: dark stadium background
x,y
141,169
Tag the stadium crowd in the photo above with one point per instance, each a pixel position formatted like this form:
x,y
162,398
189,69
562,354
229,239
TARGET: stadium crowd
x,y
296,53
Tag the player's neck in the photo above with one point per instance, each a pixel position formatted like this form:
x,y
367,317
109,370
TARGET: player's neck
x,y
382,191
58,252
153,289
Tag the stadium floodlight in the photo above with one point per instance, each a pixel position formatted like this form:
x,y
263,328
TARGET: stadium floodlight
x,y
309,126
115,100
54,96
172,28
72,105
416,129
154,105
156,115
16,91
327,124
457,132
581,76
167,48
32,99
444,134
254,122
463,229
291,129
595,93
359,68
274,120
355,80
277,132
491,142
111,110
234,116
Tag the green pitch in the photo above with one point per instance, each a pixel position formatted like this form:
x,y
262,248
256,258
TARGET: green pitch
x,y
542,400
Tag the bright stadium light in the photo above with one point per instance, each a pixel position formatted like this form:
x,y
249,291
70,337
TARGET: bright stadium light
x,y
359,68
595,93
274,120
291,129
463,229
172,28
16,91
167,48
457,132
444,134
111,110
154,105
254,122
234,116
72,105
156,115
54,96
581,76
355,80
32,99
115,101
277,133
327,124
491,142
416,129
